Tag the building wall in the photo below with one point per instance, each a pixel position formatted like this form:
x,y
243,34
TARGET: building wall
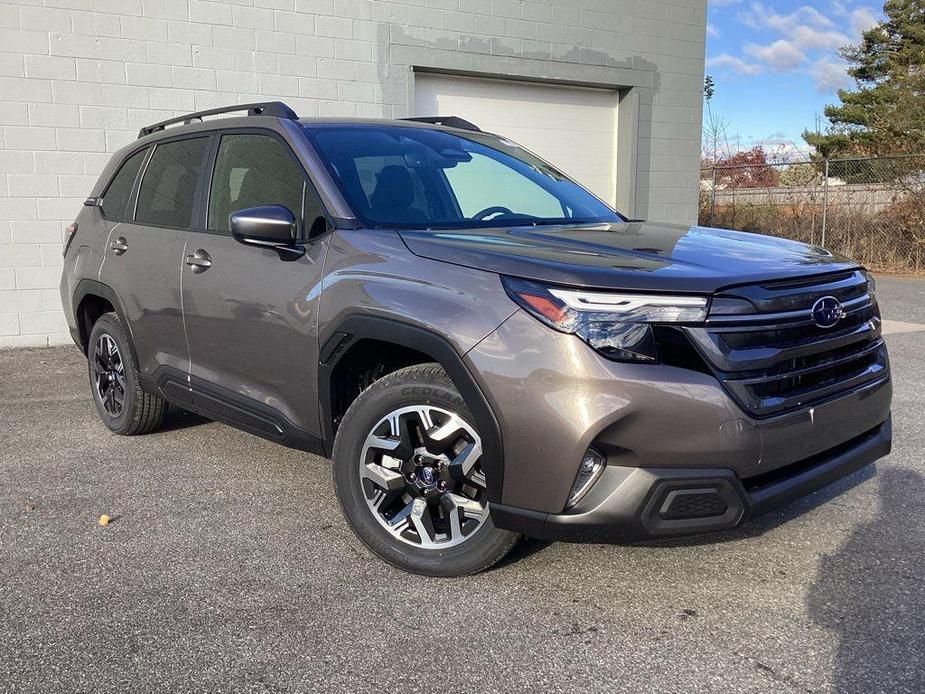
x,y
78,78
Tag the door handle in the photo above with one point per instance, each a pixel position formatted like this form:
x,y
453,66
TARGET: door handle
x,y
199,262
119,246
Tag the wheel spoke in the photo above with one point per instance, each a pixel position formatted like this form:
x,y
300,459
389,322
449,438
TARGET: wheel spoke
x,y
382,442
458,508
424,417
383,478
445,430
401,521
423,521
461,466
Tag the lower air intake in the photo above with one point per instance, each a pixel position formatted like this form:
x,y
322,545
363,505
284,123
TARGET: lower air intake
x,y
682,504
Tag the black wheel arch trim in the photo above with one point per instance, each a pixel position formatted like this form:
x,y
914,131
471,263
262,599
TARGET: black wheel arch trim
x,y
92,287
355,328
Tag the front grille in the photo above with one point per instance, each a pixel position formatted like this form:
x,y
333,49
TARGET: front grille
x,y
762,343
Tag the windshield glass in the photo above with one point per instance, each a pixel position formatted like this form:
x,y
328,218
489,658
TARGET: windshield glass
x,y
407,177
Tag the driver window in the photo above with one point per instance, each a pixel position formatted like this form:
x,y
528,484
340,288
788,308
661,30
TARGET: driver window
x,y
483,180
253,170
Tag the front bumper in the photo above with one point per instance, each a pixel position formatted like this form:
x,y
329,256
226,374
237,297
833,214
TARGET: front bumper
x,y
665,431
636,504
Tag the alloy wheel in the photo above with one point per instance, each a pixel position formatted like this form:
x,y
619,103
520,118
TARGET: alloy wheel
x,y
109,375
422,477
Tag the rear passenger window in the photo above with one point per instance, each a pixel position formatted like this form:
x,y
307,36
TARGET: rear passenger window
x,y
168,188
253,170
115,199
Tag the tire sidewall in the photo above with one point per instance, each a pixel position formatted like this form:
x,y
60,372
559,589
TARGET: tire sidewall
x,y
392,393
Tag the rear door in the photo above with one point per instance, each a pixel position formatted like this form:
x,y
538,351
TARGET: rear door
x,y
251,317
144,255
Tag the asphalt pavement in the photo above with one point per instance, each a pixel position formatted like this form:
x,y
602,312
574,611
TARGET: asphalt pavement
x,y
227,567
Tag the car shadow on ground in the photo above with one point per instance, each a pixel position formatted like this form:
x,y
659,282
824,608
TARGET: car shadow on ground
x,y
871,593
768,522
178,420
529,546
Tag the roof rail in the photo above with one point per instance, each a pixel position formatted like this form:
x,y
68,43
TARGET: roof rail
x,y
266,108
448,121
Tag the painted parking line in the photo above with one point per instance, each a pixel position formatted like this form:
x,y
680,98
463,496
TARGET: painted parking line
x,y
894,327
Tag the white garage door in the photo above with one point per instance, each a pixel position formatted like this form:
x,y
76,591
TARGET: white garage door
x,y
573,128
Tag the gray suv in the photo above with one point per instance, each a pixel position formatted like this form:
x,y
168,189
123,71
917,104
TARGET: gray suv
x,y
484,348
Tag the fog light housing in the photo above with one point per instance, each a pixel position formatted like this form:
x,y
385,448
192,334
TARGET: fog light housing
x,y
592,465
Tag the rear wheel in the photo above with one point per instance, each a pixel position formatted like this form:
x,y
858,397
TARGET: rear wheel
x,y
121,403
409,475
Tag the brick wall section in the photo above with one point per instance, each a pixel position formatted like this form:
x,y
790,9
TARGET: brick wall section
x,y
78,78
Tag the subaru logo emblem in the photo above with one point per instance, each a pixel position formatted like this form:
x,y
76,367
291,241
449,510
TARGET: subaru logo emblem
x,y
427,474
827,311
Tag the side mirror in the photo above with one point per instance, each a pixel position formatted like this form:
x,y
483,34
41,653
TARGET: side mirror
x,y
273,223
268,226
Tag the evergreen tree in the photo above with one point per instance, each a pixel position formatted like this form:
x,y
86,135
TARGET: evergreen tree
x,y
885,113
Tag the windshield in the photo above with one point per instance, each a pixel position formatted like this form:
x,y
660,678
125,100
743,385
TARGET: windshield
x,y
406,177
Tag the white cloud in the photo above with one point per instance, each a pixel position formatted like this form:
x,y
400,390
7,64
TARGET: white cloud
x,y
712,30
778,146
808,38
806,27
830,75
780,56
736,65
862,19
758,16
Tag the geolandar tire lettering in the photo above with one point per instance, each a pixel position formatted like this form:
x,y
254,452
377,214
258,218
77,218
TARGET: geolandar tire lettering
x,y
409,477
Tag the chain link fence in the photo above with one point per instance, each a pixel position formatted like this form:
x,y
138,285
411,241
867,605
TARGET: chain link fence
x,y
869,209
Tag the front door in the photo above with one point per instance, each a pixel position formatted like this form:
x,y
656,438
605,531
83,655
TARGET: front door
x,y
251,317
144,255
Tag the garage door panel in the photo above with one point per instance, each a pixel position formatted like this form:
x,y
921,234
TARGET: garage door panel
x,y
573,128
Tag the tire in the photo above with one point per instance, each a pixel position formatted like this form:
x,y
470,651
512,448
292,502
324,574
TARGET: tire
x,y
121,403
408,476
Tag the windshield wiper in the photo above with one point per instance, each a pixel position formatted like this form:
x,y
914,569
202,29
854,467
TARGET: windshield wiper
x,y
556,222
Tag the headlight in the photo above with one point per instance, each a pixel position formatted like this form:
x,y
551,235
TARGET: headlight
x,y
616,324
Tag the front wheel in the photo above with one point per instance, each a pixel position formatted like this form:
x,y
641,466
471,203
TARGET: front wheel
x,y
408,472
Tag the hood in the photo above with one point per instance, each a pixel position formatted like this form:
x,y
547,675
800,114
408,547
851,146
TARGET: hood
x,y
633,255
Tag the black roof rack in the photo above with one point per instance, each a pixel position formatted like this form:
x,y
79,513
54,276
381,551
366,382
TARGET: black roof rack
x,y
266,108
448,121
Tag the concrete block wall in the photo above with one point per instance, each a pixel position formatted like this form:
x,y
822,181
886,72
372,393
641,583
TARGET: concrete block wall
x,y
78,78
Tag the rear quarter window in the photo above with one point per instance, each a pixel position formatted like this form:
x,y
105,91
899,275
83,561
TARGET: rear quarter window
x,y
115,199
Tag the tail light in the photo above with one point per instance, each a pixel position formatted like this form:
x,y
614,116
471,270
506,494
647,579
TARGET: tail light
x,y
69,233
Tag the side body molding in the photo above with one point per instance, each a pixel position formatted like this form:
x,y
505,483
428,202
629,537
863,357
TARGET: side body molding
x,y
354,328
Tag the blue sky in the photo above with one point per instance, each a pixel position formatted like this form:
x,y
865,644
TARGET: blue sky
x,y
776,64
